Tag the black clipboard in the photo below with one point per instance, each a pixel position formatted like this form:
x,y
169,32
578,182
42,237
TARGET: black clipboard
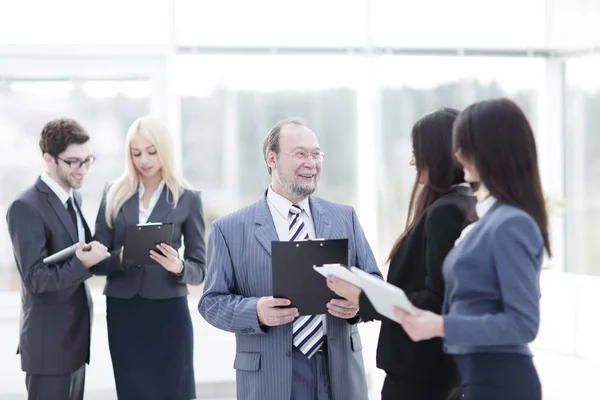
x,y
294,277
140,239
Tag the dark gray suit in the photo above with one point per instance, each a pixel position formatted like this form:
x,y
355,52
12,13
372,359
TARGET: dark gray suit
x,y
153,281
150,332
57,307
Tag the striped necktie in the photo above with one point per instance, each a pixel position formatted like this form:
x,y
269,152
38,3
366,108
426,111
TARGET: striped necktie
x,y
307,329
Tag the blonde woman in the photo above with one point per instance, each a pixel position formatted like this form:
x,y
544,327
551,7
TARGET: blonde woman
x,y
149,326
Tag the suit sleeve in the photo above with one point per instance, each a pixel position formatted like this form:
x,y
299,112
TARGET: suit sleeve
x,y
105,235
443,225
220,305
517,246
365,260
194,263
367,311
29,241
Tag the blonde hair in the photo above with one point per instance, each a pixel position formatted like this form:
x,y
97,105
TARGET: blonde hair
x,y
154,131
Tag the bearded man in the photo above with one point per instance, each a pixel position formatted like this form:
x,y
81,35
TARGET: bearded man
x,y
280,355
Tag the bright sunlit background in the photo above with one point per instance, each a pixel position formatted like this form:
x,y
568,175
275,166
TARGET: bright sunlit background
x,y
361,72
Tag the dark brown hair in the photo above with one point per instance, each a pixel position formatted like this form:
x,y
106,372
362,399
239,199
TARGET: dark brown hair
x,y
272,140
58,134
496,137
436,165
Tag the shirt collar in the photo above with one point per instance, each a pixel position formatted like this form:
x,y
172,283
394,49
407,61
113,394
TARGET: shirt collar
x,y
142,189
58,190
483,206
283,205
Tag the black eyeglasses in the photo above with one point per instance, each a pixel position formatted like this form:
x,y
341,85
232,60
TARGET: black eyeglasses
x,y
76,164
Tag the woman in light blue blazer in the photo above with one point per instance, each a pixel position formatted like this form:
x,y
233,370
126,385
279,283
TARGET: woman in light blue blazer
x,y
491,305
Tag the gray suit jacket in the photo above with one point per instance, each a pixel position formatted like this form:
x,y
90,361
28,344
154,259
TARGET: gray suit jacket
x,y
239,273
57,308
153,281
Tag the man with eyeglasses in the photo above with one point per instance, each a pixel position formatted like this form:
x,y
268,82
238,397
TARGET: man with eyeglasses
x,y
56,311
280,355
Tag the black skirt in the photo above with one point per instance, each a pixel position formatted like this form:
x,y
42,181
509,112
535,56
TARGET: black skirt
x,y
151,347
499,376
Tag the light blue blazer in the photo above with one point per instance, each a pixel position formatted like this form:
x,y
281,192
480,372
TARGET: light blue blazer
x,y
239,273
493,285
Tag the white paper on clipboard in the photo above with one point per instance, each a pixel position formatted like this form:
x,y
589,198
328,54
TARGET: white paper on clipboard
x,y
338,270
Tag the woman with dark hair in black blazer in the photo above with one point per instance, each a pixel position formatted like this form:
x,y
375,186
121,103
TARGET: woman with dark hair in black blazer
x,y
491,309
439,209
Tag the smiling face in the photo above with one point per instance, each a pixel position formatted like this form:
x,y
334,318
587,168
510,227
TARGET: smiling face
x,y
145,157
70,167
296,169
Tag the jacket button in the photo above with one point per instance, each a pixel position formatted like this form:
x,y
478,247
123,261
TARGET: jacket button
x,y
288,353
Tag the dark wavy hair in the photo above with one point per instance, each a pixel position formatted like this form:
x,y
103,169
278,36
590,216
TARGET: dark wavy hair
x,y
59,134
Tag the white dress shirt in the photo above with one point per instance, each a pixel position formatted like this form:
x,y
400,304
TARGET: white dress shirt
x,y
64,196
144,214
280,210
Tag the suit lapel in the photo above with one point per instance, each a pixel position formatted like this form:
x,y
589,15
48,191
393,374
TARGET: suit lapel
x,y
322,225
59,209
131,210
265,232
162,208
86,228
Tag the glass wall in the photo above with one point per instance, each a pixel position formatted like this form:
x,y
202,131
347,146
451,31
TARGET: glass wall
x,y
104,108
582,162
458,23
270,23
73,22
415,86
228,109
572,23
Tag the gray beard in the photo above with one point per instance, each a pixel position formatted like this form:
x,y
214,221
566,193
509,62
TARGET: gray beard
x,y
298,188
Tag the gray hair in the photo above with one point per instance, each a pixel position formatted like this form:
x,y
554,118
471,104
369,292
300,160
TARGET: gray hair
x,y
272,140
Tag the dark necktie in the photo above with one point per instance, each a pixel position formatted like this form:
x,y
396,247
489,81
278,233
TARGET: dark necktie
x,y
73,214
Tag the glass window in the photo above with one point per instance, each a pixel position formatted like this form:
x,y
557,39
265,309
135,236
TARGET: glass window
x,y
459,23
415,86
582,163
84,22
573,22
104,108
270,22
229,103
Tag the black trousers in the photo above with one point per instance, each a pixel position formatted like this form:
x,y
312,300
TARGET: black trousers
x,y
499,376
56,387
396,388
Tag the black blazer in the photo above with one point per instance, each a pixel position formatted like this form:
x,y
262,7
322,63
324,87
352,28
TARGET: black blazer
x,y
153,281
56,309
417,269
